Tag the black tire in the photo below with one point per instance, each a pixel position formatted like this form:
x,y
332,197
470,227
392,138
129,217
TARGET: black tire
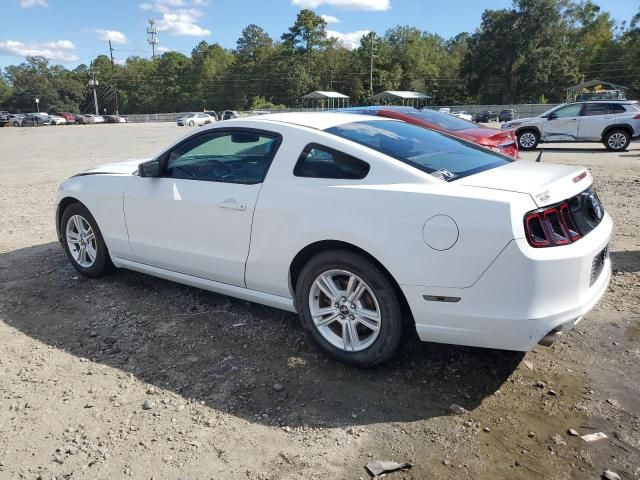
x,y
613,140
102,263
529,137
392,322
191,123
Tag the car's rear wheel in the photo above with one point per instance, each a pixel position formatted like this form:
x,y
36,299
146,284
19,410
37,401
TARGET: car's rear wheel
x,y
83,242
617,140
350,308
528,139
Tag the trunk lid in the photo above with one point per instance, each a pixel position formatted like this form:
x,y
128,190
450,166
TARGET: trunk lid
x,y
546,183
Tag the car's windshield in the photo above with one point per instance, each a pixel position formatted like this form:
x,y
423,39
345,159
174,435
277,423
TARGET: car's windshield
x,y
443,156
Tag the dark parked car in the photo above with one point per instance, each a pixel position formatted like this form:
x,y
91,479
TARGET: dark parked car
x,y
486,116
228,115
5,119
508,115
115,119
35,119
69,117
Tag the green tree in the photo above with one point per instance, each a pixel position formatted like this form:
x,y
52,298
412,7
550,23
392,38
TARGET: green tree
x,y
307,33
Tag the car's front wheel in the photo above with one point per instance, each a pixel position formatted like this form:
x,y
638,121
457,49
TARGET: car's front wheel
x,y
617,140
191,123
350,308
528,139
83,242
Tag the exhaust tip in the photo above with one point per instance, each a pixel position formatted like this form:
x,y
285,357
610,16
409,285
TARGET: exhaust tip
x,y
550,338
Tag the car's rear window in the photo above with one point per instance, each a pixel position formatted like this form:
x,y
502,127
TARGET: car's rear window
x,y
443,156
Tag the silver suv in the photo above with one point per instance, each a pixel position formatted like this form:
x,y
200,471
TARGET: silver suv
x,y
613,122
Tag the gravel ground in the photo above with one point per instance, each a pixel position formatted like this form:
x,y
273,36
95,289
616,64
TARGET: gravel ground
x,y
134,377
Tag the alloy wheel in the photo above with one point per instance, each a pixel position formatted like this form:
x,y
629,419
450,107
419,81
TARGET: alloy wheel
x,y
617,141
81,241
345,310
527,140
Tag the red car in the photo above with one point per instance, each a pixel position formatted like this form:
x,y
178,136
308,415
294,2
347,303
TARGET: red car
x,y
69,117
503,141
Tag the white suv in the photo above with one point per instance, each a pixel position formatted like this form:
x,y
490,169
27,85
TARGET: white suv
x,y
613,122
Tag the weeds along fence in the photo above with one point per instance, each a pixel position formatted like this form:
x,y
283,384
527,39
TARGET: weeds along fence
x,y
525,110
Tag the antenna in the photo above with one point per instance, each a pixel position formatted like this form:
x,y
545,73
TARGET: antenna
x,y
152,35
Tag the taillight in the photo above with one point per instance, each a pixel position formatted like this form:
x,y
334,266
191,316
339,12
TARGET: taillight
x,y
551,226
637,117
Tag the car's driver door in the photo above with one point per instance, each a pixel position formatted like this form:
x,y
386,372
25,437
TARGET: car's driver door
x,y
194,216
562,124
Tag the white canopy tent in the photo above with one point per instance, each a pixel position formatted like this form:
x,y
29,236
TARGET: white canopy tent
x,y
403,97
321,100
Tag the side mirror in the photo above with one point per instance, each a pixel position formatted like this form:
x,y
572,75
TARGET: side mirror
x,y
149,169
552,116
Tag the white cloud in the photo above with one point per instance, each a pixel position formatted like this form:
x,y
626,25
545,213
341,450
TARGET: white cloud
x,y
163,49
350,40
33,3
114,35
58,50
373,5
179,17
330,19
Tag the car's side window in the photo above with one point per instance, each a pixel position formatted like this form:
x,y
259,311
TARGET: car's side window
x,y
591,109
242,156
568,111
615,108
317,161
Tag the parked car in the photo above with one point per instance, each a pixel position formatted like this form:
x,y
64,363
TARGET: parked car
x,y
212,114
486,116
463,115
488,137
57,120
5,119
35,119
91,118
427,230
69,117
614,123
16,119
195,119
115,119
508,115
228,115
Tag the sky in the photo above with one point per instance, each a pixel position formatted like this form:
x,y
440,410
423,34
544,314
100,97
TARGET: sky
x,y
70,32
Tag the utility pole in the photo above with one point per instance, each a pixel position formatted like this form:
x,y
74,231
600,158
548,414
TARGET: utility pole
x,y
94,83
371,39
152,35
115,86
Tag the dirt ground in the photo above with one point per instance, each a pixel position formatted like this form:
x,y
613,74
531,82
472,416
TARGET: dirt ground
x,y
134,377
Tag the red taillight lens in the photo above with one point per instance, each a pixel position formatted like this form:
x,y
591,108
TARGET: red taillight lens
x,y
551,226
637,117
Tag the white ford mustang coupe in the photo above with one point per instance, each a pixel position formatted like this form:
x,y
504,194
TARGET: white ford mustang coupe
x,y
368,227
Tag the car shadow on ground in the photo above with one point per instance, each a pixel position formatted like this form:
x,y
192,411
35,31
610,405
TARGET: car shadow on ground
x,y
230,353
626,261
594,149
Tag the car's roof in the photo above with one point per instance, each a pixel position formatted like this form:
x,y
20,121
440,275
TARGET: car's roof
x,y
316,120
623,102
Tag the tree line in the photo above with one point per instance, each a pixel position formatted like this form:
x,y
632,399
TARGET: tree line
x,y
528,53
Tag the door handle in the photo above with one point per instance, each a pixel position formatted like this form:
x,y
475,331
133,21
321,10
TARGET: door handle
x,y
232,204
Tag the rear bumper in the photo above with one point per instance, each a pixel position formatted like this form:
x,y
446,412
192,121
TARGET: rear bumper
x,y
524,295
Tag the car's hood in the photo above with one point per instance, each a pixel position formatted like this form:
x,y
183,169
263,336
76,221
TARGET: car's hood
x,y
128,167
546,183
